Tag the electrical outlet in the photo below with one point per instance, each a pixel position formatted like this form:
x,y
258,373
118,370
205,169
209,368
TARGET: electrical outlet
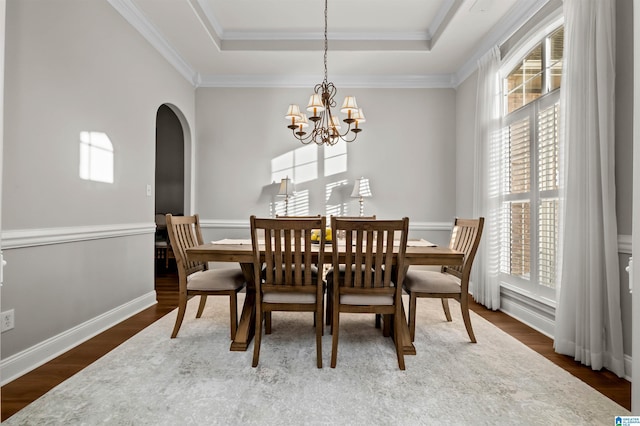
x,y
6,319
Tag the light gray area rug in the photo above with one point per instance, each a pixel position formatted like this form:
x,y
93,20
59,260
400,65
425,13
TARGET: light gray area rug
x,y
195,380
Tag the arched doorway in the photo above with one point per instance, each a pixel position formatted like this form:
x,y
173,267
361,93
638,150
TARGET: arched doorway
x,y
169,179
169,162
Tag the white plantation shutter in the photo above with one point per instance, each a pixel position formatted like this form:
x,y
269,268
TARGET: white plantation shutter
x,y
548,186
529,236
548,148
516,208
547,242
530,178
519,157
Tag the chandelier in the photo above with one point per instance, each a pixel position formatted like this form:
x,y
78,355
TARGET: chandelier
x,y
326,125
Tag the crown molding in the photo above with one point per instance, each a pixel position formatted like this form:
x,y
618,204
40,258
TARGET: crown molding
x,y
435,81
509,24
136,18
332,36
409,41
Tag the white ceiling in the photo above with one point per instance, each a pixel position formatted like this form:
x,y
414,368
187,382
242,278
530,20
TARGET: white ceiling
x,y
380,43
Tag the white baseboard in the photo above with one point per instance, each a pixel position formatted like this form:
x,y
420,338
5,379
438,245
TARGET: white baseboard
x,y
536,315
23,362
627,367
539,317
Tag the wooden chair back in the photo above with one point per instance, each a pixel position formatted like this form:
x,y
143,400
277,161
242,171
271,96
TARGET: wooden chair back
x,y
374,246
288,251
465,237
184,232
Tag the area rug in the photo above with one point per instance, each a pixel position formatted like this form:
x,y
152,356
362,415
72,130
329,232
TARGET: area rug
x,y
195,380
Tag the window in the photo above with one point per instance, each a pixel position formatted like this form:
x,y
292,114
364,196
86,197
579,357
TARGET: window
x,y
96,157
530,177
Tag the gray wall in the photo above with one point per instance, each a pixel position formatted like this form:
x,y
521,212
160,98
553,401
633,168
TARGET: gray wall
x,y
465,122
77,249
407,150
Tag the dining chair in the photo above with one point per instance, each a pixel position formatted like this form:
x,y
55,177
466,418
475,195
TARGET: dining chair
x,y
451,282
287,281
373,262
314,270
195,278
162,245
337,239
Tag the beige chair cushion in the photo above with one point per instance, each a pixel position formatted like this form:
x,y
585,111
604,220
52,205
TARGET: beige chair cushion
x,y
356,299
216,279
285,297
431,282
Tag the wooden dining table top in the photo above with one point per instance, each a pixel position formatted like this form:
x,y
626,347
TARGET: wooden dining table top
x,y
242,252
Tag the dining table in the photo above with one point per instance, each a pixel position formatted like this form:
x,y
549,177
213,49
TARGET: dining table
x,y
418,252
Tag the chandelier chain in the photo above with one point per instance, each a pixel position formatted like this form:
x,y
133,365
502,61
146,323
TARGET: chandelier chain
x,y
326,125
326,42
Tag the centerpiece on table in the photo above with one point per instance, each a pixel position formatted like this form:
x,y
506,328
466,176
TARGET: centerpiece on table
x,y
316,235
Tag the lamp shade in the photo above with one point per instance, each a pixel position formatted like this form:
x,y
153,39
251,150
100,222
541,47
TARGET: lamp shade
x,y
361,188
302,121
349,104
286,187
293,112
359,116
315,104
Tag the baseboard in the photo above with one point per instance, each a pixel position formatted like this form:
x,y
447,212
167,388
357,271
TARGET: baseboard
x,y
540,317
627,367
23,362
536,315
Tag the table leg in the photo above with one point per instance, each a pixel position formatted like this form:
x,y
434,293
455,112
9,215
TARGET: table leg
x,y
405,335
408,347
247,323
388,320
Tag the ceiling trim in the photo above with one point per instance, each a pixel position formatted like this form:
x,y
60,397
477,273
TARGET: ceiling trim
x,y
307,41
332,36
509,24
269,41
136,18
362,81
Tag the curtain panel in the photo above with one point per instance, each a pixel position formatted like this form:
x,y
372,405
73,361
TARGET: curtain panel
x,y
485,285
588,314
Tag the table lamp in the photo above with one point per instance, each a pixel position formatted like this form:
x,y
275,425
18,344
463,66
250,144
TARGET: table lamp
x,y
286,189
361,190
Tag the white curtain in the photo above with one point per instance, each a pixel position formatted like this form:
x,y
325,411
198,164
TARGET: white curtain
x,y
484,280
588,320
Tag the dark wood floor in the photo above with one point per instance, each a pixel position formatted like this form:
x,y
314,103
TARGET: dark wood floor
x,y
24,390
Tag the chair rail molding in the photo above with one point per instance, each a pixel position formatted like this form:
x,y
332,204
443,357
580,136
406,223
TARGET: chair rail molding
x,y
21,238
624,244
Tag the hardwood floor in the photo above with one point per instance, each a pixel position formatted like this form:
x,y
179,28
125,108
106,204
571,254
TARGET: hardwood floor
x,y
22,391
